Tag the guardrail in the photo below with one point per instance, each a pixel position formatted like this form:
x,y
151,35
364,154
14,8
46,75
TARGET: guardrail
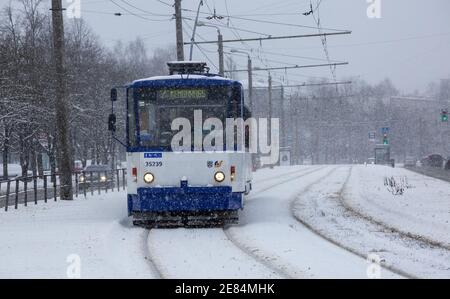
x,y
23,190
435,172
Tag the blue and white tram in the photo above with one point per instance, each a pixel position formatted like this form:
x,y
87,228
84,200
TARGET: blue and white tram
x,y
192,187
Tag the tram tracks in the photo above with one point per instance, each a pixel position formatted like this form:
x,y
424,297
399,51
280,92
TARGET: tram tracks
x,y
156,271
269,261
255,253
387,227
284,181
354,251
154,261
251,252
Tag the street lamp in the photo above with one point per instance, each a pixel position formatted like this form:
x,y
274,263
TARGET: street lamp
x,y
193,31
220,43
250,76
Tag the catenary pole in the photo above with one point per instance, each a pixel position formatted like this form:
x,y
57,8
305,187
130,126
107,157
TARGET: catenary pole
x,y
62,122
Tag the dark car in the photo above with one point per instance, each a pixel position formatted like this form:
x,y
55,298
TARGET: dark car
x,y
434,160
96,176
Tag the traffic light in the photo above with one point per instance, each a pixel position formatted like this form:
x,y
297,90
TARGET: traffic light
x,y
385,139
444,115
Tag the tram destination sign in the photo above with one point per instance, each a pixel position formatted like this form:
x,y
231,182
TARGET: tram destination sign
x,y
178,94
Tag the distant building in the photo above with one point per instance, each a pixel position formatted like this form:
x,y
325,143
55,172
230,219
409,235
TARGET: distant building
x,y
444,90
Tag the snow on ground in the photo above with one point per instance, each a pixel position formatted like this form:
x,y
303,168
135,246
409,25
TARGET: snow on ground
x,y
271,241
36,241
270,231
202,253
423,210
15,170
209,253
323,207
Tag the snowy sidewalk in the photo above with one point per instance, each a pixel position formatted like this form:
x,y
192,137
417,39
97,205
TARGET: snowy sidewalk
x,y
41,241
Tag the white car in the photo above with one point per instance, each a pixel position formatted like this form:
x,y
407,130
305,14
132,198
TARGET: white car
x,y
410,162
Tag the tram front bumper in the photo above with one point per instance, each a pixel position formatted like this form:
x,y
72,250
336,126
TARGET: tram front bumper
x,y
184,199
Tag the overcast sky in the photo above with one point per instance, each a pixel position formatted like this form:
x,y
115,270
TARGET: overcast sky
x,y
410,43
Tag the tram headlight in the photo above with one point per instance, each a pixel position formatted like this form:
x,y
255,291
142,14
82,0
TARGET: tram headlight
x,y
149,178
219,176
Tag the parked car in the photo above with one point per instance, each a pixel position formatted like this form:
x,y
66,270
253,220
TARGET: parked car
x,y
433,160
96,176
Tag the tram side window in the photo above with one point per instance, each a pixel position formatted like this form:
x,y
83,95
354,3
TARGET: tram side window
x,y
236,107
236,112
131,118
147,122
247,115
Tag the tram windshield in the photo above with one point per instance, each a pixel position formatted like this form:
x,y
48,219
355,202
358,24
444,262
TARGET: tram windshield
x,y
157,108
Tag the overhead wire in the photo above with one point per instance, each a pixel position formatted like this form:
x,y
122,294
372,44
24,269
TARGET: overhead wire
x,y
165,3
134,14
146,11
271,22
316,17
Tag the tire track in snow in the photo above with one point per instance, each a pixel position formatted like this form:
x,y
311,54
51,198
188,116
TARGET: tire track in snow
x,y
156,271
159,264
203,254
302,174
334,241
251,250
262,260
280,176
143,248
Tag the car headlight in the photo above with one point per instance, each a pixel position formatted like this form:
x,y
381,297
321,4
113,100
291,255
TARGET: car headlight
x,y
103,178
149,178
82,179
219,176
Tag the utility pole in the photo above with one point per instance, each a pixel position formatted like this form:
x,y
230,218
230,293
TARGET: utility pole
x,y
270,98
179,30
62,123
269,134
221,63
250,82
283,119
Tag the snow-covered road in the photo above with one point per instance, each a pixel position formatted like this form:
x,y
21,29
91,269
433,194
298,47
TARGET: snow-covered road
x,y
299,222
407,232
